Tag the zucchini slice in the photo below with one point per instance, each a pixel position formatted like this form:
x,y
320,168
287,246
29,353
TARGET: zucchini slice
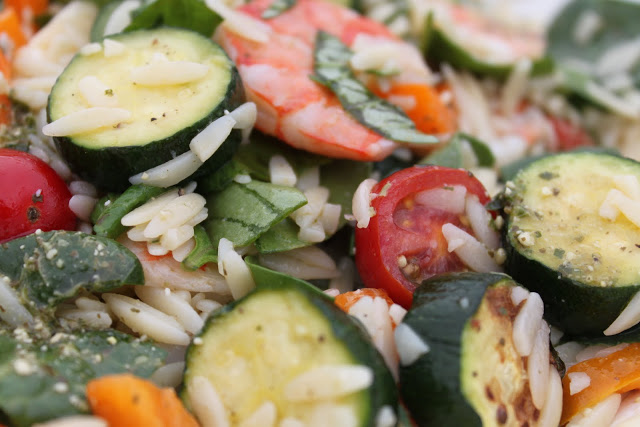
x,y
583,265
253,350
164,116
471,371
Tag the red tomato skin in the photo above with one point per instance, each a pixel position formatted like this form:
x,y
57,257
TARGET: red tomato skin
x,y
568,135
376,264
21,210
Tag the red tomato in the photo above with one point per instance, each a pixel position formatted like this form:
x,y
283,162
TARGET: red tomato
x,y
32,196
401,227
568,135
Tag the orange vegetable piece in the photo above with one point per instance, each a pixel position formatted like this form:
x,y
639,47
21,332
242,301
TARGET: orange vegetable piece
x,y
346,300
618,372
430,114
127,401
10,25
5,103
37,7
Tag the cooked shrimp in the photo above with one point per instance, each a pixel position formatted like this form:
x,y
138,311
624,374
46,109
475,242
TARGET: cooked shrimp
x,y
165,272
302,112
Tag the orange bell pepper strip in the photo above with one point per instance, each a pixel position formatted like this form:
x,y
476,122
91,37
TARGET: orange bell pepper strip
x,y
11,26
618,372
5,102
28,9
127,401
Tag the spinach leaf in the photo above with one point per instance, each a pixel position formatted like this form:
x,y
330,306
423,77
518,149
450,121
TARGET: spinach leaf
x,y
579,60
203,252
331,66
221,178
280,238
452,155
108,222
441,48
342,178
52,267
42,379
243,212
191,14
254,157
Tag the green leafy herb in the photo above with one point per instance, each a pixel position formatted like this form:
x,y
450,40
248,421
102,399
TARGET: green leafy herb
x,y
558,253
277,7
331,66
46,378
243,212
453,155
108,222
52,267
254,157
203,252
191,14
281,237
221,178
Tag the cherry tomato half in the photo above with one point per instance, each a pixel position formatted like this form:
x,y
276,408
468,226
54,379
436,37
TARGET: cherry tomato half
x,y
403,244
32,196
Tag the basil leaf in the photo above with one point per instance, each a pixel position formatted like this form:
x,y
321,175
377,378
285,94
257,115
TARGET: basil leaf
x,y
277,7
243,212
331,66
52,267
452,155
191,14
70,360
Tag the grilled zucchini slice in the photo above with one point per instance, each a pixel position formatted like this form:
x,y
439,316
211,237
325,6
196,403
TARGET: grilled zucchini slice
x,y
584,265
254,350
164,117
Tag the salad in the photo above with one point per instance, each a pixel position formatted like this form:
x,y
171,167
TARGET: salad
x,y
308,213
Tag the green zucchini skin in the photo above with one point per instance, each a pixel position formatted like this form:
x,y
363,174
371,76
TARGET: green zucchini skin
x,y
576,308
573,302
472,373
383,391
430,387
109,168
439,48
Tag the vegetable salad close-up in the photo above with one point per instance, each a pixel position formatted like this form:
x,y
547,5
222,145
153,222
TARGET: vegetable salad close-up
x,y
319,213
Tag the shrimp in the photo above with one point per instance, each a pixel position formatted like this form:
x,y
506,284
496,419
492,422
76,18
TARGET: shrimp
x,y
303,113
165,272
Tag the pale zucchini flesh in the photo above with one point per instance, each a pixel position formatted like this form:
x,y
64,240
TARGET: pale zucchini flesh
x,y
557,202
157,111
250,354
